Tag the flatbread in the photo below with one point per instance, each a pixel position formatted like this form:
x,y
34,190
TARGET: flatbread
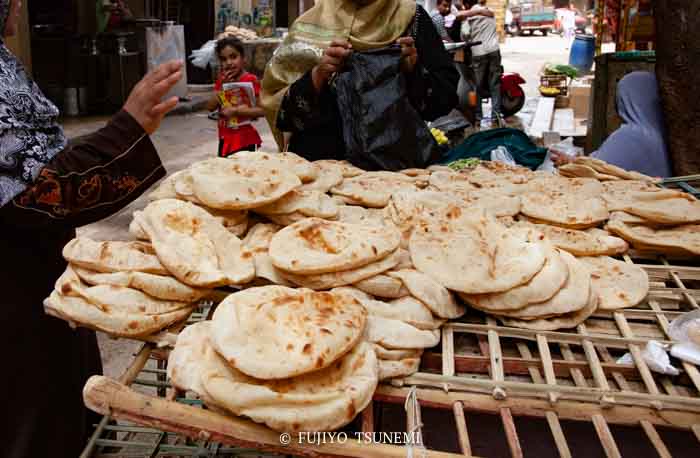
x,y
573,296
402,368
274,332
451,181
574,170
566,321
166,188
328,177
580,243
345,277
183,184
78,310
373,189
236,184
195,246
352,214
477,262
431,293
395,334
308,203
157,286
286,220
407,309
619,284
680,210
388,354
543,286
623,195
346,169
305,170
113,256
609,169
315,246
257,241
571,203
321,401
683,239
383,285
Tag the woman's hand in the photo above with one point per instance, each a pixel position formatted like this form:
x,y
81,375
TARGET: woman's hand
x,y
331,62
560,158
409,54
144,103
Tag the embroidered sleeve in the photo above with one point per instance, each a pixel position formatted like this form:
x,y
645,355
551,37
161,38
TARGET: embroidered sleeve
x,y
92,178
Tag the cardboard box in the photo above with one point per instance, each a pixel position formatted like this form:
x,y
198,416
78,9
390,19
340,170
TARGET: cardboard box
x,y
579,99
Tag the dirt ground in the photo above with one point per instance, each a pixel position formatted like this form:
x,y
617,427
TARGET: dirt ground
x,y
184,139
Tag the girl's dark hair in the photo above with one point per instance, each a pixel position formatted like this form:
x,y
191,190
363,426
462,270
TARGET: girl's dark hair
x,y
233,42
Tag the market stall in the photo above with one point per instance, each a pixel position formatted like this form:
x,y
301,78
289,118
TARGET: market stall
x,y
319,297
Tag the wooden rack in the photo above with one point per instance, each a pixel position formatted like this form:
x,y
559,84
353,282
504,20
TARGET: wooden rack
x,y
558,378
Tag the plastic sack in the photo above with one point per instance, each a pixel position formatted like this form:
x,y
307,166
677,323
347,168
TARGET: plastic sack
x,y
381,129
685,329
654,354
567,147
205,56
501,154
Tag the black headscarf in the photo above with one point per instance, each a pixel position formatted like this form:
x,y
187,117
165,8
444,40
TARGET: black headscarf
x,y
29,132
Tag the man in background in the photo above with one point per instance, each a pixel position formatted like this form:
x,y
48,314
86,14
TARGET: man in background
x,y
112,14
486,57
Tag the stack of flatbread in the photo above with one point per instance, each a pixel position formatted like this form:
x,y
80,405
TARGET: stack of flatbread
x,y
320,254
588,167
654,219
120,288
293,359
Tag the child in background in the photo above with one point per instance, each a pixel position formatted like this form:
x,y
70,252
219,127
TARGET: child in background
x,y
236,133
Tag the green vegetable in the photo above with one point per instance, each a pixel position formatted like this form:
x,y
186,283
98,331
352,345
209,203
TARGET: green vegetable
x,y
464,163
560,69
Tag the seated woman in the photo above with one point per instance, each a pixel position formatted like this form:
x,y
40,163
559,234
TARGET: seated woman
x,y
298,102
639,144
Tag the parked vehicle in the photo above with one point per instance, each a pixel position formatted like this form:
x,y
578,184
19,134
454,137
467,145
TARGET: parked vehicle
x,y
581,21
529,17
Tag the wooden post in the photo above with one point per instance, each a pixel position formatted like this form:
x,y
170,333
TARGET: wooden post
x,y
20,44
678,73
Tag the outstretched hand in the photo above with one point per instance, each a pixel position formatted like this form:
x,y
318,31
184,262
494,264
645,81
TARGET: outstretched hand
x,y
144,103
409,54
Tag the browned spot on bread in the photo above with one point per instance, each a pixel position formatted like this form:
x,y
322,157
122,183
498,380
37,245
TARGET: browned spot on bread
x,y
142,308
319,362
133,325
315,238
66,289
307,349
326,331
290,347
247,255
232,361
351,411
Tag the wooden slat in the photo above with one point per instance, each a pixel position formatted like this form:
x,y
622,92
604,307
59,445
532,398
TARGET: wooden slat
x,y
448,351
558,435
511,433
593,361
546,357
576,374
696,430
496,357
461,423
525,353
616,375
605,436
636,352
655,439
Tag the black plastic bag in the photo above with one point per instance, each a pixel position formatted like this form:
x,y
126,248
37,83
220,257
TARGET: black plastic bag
x,y
381,129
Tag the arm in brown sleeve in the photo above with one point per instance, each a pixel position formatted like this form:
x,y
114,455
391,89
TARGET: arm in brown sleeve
x,y
94,177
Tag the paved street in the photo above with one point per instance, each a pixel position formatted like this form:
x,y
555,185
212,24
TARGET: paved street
x,y
184,139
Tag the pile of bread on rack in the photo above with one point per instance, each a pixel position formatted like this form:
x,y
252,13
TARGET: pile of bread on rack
x,y
343,277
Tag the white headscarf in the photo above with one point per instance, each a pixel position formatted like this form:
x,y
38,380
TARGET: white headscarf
x,y
29,132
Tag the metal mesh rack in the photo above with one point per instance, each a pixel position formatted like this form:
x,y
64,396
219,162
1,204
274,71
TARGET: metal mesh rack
x,y
689,184
516,376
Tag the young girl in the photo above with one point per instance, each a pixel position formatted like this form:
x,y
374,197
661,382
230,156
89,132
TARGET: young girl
x,y
236,133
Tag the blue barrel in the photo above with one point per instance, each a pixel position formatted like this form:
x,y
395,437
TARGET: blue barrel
x,y
582,53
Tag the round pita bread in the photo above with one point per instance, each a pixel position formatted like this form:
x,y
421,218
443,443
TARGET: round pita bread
x,y
543,286
580,243
619,284
383,285
565,207
328,177
621,195
402,368
113,256
667,211
396,334
352,214
308,203
320,401
315,246
286,220
450,181
257,241
234,184
373,189
609,169
195,246
274,332
345,277
429,292
166,188
388,354
407,309
476,262
302,168
346,169
680,239
566,321
157,286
